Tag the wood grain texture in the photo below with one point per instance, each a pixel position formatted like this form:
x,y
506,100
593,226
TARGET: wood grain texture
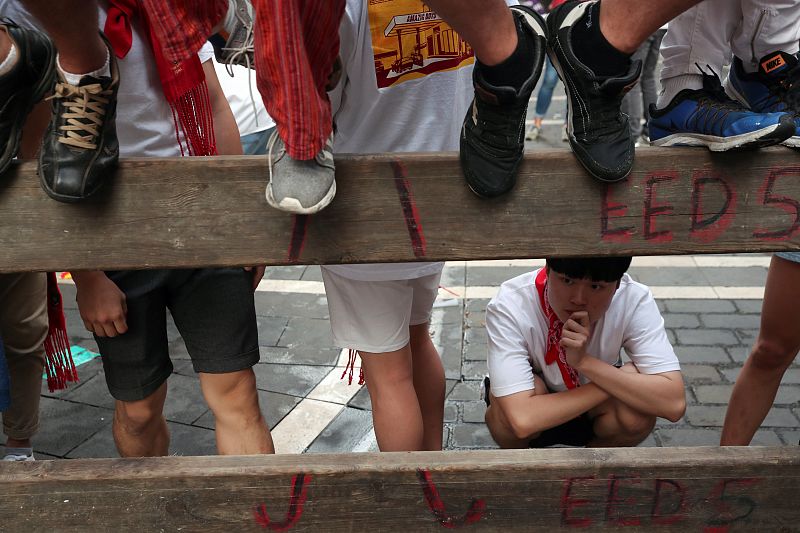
x,y
639,489
196,212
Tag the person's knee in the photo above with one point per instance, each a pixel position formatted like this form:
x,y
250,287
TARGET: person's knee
x,y
635,425
138,418
772,354
232,396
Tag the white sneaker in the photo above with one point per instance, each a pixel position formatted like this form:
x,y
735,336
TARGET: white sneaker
x,y
18,457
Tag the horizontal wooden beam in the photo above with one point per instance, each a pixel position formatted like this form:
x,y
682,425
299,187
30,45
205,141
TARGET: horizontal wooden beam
x,y
405,207
670,489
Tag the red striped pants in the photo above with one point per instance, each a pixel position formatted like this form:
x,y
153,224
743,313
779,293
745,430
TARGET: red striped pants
x,y
296,43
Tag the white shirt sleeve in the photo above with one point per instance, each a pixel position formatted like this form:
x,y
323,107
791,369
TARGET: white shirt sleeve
x,y
509,362
645,339
206,52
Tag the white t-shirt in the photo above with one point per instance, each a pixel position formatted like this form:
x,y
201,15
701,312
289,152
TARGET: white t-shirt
x,y
397,95
250,114
145,127
517,330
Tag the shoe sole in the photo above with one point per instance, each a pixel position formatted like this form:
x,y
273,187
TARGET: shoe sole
x,y
792,142
292,205
39,90
733,92
553,31
746,141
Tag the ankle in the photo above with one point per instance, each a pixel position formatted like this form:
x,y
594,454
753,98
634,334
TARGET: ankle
x,y
515,69
73,70
18,443
593,49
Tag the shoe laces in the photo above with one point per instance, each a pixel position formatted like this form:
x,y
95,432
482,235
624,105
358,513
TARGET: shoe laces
x,y
497,130
713,103
85,109
786,90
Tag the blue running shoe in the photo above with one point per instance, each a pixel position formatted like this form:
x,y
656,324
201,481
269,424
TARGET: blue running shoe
x,y
774,87
709,117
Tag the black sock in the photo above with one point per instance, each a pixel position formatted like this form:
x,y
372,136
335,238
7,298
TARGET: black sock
x,y
593,50
517,68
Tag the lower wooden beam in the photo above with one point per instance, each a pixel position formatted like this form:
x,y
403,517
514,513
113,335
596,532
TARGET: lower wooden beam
x,y
666,489
196,212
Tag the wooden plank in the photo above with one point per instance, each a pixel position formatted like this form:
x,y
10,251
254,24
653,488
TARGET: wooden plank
x,y
211,212
640,489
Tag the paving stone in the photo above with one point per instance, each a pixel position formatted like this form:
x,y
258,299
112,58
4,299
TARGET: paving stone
x,y
184,440
86,372
661,276
700,306
720,394
728,321
449,385
448,343
701,354
270,329
295,380
706,337
446,438
649,442
681,320
476,335
736,276
450,411
472,436
64,425
700,373
790,377
183,367
476,304
312,273
361,400
466,390
284,272
475,319
274,407
301,355
306,332
446,315
671,337
473,370
68,294
345,433
177,350
708,415
747,336
453,275
475,352
790,438
749,306
738,353
492,276
92,392
474,411
294,305
765,437
688,437
185,402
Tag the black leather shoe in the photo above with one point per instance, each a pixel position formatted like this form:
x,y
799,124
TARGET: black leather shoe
x,y
23,86
80,148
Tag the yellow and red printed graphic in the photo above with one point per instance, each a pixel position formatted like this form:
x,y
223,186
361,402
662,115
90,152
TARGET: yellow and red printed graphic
x,y
410,41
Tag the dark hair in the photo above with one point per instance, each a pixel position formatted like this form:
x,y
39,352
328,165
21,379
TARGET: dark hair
x,y
594,268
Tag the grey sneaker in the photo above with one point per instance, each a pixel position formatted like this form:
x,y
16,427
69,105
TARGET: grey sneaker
x,y
18,455
299,187
238,34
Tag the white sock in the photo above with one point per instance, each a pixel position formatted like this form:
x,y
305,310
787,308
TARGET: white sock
x,y
75,79
672,86
10,60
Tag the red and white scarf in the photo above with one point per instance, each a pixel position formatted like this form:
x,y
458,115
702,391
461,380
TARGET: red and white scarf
x,y
554,351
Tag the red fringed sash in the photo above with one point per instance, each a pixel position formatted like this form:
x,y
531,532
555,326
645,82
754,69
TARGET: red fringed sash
x,y
59,366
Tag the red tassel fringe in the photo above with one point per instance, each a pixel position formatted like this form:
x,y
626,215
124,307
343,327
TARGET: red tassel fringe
x,y
351,364
194,118
59,366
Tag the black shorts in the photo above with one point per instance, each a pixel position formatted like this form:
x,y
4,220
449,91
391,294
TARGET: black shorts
x,y
214,312
577,432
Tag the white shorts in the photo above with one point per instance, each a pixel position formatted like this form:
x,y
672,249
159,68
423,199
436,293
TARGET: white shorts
x,y
374,316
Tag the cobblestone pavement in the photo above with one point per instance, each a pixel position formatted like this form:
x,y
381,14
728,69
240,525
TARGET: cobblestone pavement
x,y
711,306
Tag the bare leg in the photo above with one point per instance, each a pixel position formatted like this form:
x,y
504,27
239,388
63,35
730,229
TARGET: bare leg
x,y
139,428
240,426
616,424
396,413
429,385
73,26
492,35
616,17
777,345
5,44
500,427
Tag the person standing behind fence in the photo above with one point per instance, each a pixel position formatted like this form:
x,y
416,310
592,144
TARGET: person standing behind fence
x,y
212,308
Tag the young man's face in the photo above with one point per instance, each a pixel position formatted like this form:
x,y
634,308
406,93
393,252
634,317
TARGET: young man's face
x,y
570,295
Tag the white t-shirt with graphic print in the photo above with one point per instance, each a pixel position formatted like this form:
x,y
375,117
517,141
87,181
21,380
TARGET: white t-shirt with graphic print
x,y
517,329
399,95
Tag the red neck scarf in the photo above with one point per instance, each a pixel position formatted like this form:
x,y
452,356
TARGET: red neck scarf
x,y
59,366
184,84
554,352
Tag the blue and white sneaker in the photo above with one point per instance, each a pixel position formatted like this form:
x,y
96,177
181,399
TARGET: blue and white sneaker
x,y
709,117
774,87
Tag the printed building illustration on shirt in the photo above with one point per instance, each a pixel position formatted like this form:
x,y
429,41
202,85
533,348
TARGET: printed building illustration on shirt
x,y
410,41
